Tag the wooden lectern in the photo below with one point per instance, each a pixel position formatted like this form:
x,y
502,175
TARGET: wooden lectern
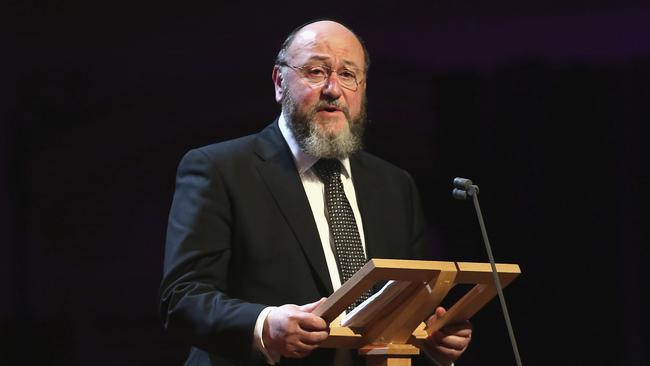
x,y
394,332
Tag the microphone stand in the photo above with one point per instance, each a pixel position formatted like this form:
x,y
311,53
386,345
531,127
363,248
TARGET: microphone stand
x,y
464,189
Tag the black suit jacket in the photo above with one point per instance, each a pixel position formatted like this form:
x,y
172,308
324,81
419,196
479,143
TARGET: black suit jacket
x,y
241,236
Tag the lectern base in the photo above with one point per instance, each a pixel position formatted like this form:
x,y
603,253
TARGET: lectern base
x,y
389,354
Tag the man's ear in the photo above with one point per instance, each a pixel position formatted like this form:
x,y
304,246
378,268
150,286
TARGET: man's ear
x,y
277,83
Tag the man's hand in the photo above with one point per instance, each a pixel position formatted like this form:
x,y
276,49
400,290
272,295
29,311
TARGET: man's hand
x,y
448,343
293,331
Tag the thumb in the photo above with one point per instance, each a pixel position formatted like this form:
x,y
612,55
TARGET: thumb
x,y
431,322
312,306
440,312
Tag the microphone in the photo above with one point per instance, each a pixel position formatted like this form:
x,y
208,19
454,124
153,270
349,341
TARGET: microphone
x,y
459,194
464,189
462,183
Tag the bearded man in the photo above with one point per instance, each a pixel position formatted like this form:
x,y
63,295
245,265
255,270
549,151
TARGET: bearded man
x,y
254,238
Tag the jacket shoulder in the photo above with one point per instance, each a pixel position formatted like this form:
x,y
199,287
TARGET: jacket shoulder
x,y
265,143
227,150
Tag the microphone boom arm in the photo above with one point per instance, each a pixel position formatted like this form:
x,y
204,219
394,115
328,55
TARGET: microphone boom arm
x,y
464,189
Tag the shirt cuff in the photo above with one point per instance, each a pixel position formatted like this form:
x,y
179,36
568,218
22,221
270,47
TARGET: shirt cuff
x,y
258,343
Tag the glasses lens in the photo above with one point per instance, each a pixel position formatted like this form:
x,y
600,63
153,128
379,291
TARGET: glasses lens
x,y
349,83
316,75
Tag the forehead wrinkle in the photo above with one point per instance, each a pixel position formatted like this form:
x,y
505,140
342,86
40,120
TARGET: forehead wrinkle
x,y
330,58
325,58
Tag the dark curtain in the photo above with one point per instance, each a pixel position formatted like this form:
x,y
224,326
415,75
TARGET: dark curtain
x,y
91,139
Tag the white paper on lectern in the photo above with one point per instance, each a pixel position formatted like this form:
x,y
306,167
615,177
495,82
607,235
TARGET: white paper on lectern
x,y
360,315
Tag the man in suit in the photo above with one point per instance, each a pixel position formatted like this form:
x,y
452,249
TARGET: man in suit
x,y
251,247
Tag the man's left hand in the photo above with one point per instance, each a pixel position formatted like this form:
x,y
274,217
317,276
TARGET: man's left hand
x,y
448,343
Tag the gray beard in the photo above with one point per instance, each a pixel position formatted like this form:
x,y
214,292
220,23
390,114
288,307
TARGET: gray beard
x,y
318,143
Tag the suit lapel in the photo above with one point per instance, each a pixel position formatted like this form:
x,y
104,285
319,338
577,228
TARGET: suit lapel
x,y
367,189
279,172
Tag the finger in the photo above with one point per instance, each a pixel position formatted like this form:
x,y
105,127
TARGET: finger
x,y
313,338
451,341
437,315
311,322
313,305
304,347
431,321
462,329
440,312
295,353
298,349
304,354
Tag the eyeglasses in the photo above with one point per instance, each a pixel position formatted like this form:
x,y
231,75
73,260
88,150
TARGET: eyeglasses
x,y
317,74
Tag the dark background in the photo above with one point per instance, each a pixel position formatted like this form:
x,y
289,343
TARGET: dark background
x,y
544,104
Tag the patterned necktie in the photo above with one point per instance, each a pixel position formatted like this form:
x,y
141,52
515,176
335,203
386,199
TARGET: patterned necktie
x,y
343,227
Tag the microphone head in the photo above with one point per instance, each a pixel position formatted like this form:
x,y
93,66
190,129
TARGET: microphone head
x,y
462,183
459,194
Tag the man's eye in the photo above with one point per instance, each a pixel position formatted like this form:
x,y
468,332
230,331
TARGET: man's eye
x,y
317,71
346,74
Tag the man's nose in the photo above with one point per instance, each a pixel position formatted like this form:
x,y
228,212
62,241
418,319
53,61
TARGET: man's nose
x,y
332,87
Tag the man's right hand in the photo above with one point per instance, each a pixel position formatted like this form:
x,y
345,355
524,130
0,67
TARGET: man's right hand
x,y
293,331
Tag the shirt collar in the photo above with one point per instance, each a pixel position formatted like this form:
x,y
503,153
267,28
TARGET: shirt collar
x,y
303,160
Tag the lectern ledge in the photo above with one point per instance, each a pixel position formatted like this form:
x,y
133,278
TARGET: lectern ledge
x,y
392,333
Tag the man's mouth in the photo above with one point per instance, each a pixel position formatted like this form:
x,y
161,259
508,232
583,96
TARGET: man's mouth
x,y
330,109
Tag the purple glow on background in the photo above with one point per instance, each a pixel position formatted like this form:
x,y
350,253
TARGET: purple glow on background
x,y
602,37
543,103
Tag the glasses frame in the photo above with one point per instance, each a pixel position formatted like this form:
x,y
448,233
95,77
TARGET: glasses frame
x,y
329,71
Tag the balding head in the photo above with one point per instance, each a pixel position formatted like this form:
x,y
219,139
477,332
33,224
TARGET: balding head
x,y
321,29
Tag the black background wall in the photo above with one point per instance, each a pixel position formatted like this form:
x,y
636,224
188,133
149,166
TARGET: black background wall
x,y
543,104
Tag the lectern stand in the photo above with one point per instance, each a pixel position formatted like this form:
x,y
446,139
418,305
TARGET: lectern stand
x,y
394,332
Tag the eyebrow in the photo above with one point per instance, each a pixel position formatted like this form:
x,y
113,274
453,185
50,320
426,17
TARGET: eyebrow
x,y
327,58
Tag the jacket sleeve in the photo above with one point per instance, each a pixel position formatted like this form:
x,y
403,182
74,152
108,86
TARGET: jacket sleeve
x,y
193,297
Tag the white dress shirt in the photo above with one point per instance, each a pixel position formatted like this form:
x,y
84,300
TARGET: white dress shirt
x,y
315,191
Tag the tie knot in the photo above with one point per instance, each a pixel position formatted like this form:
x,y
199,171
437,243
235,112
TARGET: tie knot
x,y
328,169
